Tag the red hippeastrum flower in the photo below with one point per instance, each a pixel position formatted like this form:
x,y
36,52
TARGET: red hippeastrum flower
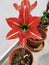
x,y
24,27
27,4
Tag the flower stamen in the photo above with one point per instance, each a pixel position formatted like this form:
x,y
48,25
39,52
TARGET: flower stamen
x,y
24,27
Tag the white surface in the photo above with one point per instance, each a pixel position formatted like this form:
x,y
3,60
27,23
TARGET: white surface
x,y
6,47
44,59
7,10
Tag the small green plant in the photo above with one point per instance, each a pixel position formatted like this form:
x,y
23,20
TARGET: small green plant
x,y
45,18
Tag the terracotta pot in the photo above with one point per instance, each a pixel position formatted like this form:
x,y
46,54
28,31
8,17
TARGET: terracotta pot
x,y
36,43
16,51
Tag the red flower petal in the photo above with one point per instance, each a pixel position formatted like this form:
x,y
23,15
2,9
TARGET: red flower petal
x,y
32,35
17,7
35,31
30,7
24,15
23,40
13,34
33,5
13,22
21,14
35,22
27,4
27,15
31,19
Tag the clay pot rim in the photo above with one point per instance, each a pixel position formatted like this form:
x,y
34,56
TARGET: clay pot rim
x,y
37,41
14,51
